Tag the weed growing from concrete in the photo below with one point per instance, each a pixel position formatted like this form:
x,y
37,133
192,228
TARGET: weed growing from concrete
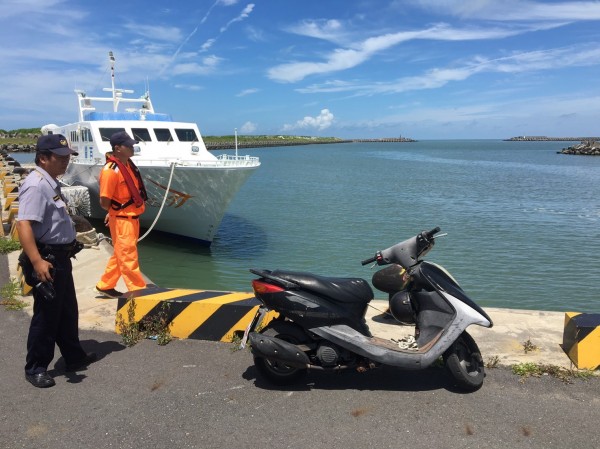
x,y
236,341
130,330
493,362
154,327
530,369
11,295
528,346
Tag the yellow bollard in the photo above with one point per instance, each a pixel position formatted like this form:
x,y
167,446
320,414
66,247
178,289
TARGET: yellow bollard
x,y
10,187
9,200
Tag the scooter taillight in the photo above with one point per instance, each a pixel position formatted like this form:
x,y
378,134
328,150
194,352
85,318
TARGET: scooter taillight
x,y
260,286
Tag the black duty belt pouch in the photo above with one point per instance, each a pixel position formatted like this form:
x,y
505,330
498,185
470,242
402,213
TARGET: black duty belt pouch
x,y
27,268
45,289
77,247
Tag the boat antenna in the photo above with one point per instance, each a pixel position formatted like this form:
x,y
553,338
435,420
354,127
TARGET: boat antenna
x,y
112,79
236,155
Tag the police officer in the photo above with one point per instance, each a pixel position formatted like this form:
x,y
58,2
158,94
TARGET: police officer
x,y
47,235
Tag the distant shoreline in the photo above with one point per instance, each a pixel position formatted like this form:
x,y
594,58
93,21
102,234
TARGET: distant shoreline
x,y
215,143
243,143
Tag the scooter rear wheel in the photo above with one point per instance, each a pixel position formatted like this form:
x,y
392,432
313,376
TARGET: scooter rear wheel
x,y
463,360
274,371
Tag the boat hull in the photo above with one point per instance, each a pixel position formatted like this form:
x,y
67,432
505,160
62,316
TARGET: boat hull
x,y
195,202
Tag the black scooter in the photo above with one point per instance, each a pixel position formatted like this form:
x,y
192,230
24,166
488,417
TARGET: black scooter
x,y
322,326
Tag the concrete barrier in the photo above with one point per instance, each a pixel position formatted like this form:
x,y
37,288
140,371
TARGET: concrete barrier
x,y
581,339
195,314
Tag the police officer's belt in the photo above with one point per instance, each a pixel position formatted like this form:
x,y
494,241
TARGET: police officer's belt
x,y
66,248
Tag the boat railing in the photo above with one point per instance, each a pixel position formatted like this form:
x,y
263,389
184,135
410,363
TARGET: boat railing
x,y
222,160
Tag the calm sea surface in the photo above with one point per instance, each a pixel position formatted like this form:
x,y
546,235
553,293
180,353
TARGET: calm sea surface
x,y
522,220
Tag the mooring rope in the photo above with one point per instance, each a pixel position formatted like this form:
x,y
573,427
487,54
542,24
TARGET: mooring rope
x,y
173,164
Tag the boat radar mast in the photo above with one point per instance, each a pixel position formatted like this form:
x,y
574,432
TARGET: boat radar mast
x,y
141,105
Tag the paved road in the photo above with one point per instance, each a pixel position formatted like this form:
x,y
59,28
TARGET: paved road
x,y
197,394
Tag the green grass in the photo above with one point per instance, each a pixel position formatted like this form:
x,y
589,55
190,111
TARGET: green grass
x,y
8,245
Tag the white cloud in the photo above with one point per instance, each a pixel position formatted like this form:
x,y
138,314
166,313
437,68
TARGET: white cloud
x,y
329,30
243,15
255,34
555,59
322,121
208,65
514,10
346,58
161,33
192,87
247,92
248,128
206,45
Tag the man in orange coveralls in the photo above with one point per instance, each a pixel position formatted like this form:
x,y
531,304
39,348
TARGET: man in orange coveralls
x,y
122,194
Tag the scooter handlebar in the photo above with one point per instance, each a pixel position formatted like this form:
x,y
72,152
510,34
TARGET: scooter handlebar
x,y
405,253
433,232
369,260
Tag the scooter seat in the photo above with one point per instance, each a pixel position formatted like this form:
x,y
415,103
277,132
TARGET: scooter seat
x,y
348,290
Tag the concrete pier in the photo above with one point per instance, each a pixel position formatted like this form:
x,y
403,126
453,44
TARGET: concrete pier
x,y
505,342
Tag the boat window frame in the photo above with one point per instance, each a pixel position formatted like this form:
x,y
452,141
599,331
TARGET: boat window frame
x,y
160,134
106,133
184,137
141,134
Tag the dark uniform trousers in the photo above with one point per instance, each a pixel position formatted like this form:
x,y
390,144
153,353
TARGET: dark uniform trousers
x,y
55,321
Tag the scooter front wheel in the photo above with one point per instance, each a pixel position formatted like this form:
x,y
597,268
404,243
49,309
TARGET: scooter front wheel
x,y
465,363
274,371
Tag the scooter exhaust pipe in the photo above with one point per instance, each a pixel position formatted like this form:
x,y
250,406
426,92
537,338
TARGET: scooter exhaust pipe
x,y
278,350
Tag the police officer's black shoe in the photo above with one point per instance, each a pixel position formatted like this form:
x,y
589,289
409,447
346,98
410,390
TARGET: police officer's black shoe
x,y
90,357
40,380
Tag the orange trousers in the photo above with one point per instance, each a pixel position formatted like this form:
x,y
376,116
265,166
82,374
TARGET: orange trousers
x,y
124,261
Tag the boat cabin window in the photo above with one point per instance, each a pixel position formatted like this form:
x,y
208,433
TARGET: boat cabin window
x,y
105,133
141,134
186,135
163,134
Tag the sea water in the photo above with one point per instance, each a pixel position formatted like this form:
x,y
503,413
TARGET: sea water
x,y
522,220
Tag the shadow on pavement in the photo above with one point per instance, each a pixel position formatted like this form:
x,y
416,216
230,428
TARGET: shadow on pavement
x,y
102,349
384,378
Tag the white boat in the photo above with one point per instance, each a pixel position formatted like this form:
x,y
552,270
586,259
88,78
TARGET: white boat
x,y
195,186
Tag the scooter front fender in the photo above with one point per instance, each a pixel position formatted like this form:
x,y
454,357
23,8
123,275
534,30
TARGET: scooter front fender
x,y
278,350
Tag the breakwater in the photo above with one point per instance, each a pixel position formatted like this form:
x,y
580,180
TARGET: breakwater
x,y
17,148
585,148
230,145
549,139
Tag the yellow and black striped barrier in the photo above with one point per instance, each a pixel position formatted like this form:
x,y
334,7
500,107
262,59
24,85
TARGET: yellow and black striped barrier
x,y
196,314
581,339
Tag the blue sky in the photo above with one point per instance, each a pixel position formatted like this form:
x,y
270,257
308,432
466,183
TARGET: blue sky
x,y
426,69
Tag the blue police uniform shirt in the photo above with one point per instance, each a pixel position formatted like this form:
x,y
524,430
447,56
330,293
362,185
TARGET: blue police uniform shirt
x,y
41,203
